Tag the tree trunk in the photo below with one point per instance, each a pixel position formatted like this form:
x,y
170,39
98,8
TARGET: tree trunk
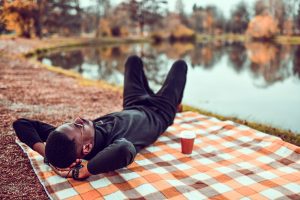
x,y
98,18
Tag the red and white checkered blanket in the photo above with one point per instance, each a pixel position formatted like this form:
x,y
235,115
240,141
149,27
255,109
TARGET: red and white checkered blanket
x,y
229,161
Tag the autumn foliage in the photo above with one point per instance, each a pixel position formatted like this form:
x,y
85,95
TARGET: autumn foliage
x,y
20,16
30,18
262,26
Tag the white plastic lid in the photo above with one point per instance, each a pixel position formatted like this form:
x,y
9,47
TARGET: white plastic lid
x,y
188,134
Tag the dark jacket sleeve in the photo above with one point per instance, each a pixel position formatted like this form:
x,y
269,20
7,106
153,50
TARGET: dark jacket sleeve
x,y
117,155
31,131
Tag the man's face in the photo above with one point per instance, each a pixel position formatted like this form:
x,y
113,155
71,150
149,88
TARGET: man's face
x,y
80,130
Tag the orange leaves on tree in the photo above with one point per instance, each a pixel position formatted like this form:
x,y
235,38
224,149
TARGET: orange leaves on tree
x,y
262,26
20,16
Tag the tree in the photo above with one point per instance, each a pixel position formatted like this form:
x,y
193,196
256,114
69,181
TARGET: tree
x,y
279,12
62,16
37,17
145,12
102,10
239,19
180,10
297,19
220,24
20,16
2,18
278,9
197,18
207,20
212,14
290,25
120,21
180,7
262,27
260,7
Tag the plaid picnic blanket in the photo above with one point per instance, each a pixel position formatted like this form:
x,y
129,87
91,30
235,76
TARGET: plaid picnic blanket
x,y
229,161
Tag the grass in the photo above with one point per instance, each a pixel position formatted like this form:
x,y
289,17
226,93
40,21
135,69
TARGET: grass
x,y
280,39
58,44
224,37
292,40
66,47
285,135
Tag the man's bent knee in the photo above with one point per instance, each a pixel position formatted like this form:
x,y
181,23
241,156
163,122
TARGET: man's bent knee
x,y
181,64
133,60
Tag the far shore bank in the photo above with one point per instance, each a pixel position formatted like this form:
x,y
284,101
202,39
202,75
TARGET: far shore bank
x,y
280,39
56,42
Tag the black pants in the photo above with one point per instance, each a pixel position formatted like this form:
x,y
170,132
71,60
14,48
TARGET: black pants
x,y
138,92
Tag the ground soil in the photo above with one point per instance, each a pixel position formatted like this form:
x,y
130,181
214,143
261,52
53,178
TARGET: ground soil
x,y
27,89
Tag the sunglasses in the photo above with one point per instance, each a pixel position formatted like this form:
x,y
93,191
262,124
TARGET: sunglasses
x,y
81,128
79,123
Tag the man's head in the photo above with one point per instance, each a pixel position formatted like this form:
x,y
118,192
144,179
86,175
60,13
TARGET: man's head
x,y
69,142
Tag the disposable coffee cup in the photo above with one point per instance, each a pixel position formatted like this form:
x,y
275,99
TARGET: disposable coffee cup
x,y
187,141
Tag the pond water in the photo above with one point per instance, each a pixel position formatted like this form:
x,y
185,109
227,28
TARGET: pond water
x,y
255,81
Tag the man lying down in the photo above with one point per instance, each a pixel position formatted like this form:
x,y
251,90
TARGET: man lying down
x,y
112,141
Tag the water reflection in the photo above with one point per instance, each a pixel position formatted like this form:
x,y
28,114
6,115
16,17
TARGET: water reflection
x,y
237,56
67,60
206,55
265,60
262,70
269,61
296,69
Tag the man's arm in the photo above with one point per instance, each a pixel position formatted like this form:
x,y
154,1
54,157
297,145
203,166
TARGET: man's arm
x,y
40,148
117,155
33,133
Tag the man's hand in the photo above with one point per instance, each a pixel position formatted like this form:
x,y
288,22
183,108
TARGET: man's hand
x,y
83,172
66,172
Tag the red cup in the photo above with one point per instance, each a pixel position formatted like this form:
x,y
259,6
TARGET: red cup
x,y
187,141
